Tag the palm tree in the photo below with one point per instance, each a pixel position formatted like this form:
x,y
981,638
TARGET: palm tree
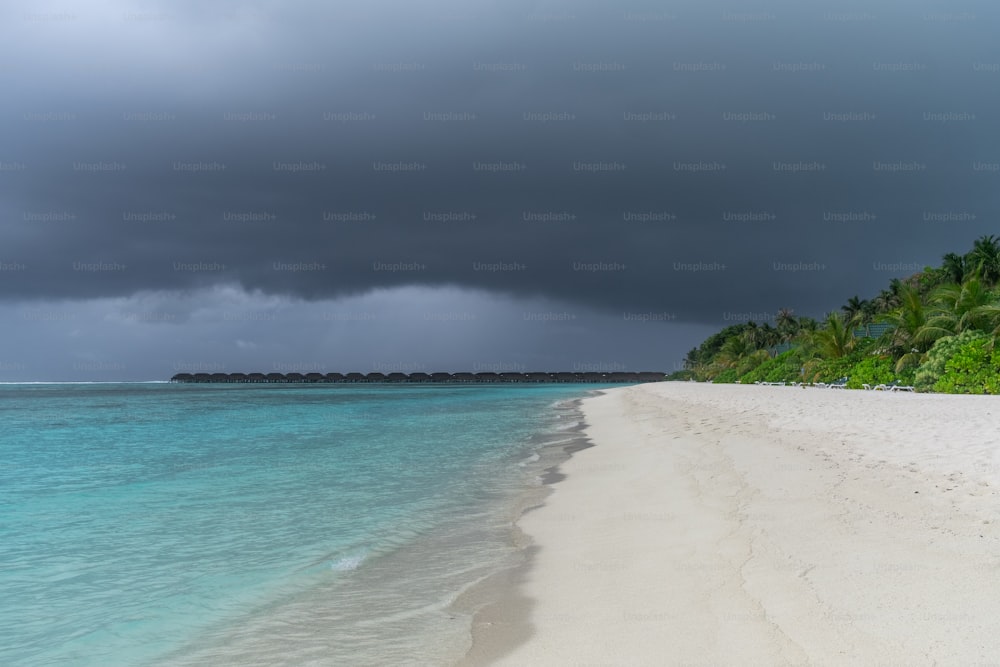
x,y
835,339
955,267
852,309
867,310
807,326
908,319
787,325
733,351
754,336
888,299
958,308
984,259
884,302
769,336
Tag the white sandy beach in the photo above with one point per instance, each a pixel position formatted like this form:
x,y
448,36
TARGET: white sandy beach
x,y
738,525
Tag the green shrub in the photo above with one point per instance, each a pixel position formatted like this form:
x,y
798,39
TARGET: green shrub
x,y
871,370
751,362
727,376
829,370
786,367
907,376
972,369
933,367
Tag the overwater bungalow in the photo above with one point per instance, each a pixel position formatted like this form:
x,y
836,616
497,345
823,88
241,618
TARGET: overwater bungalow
x,y
485,377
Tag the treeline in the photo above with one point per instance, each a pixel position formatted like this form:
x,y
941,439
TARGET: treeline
x,y
460,378
935,330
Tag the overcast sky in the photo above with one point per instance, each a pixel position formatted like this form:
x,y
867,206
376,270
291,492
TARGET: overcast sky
x,y
519,185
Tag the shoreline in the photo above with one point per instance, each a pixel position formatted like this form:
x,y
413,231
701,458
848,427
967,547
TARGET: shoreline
x,y
500,611
733,524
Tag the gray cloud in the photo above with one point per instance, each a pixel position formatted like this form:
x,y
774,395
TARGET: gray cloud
x,y
615,158
152,335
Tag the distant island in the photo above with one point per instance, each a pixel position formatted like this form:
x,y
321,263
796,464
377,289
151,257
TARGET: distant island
x,y
618,377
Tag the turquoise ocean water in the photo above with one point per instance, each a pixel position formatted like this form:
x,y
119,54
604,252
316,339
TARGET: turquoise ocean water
x,y
159,524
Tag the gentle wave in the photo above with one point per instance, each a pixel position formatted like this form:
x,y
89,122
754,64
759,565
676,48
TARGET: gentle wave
x,y
348,563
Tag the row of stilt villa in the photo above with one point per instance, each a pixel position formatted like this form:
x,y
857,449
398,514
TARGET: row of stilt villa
x,y
459,378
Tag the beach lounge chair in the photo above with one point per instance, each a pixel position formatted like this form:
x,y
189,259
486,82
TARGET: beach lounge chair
x,y
839,384
893,386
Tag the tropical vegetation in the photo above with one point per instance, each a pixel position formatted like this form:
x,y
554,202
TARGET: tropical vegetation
x,y
935,330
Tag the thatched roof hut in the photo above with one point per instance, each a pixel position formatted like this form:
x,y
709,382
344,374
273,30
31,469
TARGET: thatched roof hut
x,y
440,377
355,377
182,377
487,376
397,377
375,377
275,377
463,377
420,377
334,377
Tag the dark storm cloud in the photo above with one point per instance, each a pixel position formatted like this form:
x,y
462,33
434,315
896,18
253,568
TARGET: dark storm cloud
x,y
701,158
